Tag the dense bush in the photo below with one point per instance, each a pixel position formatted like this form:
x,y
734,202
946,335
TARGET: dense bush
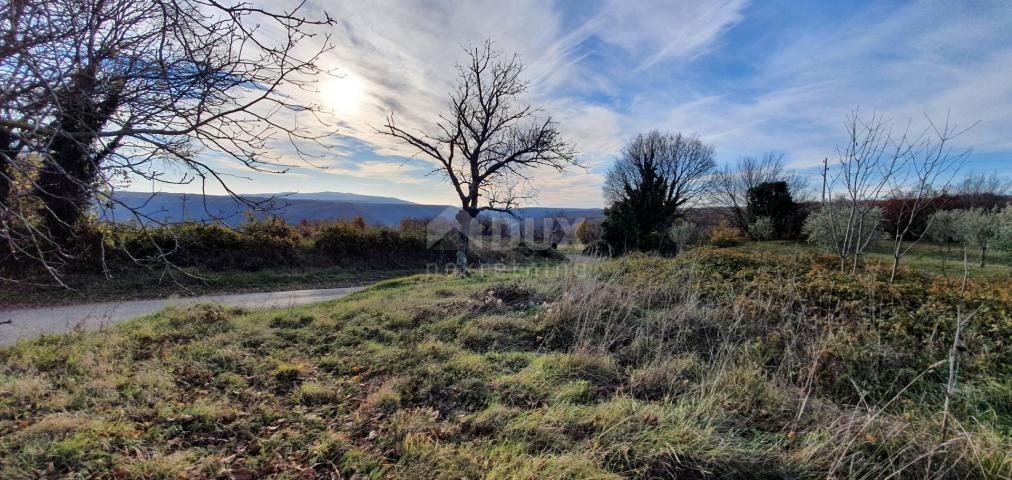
x,y
354,243
256,244
897,215
827,227
125,250
773,202
589,231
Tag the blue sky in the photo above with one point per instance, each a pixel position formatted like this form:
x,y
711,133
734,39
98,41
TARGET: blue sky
x,y
747,77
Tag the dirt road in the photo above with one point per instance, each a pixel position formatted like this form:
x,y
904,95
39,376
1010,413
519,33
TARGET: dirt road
x,y
32,322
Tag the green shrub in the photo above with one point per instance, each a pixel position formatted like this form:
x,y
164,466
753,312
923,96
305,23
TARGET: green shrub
x,y
344,243
257,244
762,229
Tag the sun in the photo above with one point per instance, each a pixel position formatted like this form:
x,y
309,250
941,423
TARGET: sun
x,y
343,94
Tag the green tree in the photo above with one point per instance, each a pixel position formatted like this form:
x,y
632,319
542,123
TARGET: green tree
x,y
656,176
978,228
773,201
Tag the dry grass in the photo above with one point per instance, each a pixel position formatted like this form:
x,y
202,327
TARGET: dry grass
x,y
718,364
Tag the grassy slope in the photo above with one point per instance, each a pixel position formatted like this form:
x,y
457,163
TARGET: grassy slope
x,y
716,364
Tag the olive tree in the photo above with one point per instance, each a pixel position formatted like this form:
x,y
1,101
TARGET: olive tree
x,y
831,231
1004,225
684,234
943,228
978,228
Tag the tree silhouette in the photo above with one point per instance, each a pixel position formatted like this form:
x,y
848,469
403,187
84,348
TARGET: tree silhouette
x,y
489,141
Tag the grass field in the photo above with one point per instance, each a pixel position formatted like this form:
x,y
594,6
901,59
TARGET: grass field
x,y
926,258
757,362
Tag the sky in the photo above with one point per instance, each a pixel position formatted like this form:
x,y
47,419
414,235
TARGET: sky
x,y
748,77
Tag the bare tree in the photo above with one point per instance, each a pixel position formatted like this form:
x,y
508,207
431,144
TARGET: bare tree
x,y
928,169
490,140
981,190
98,91
730,185
682,163
850,191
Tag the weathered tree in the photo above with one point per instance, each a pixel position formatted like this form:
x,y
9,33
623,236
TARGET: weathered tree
x,y
490,141
99,91
649,187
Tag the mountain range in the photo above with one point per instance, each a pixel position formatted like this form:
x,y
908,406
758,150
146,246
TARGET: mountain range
x,y
293,208
336,197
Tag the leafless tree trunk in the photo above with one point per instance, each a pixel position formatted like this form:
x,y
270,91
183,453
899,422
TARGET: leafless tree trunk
x,y
865,166
930,168
489,141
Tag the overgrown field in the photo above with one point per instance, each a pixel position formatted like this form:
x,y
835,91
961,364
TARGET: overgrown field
x,y
717,364
928,258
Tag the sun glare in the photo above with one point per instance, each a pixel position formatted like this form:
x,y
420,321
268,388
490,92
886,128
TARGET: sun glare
x,y
343,94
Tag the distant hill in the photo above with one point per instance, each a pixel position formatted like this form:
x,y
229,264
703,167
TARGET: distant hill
x,y
179,207
340,197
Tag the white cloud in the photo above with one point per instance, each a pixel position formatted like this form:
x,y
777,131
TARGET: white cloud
x,y
401,57
902,65
620,67
659,30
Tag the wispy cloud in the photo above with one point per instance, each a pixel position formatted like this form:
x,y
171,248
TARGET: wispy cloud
x,y
655,30
747,77
927,58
